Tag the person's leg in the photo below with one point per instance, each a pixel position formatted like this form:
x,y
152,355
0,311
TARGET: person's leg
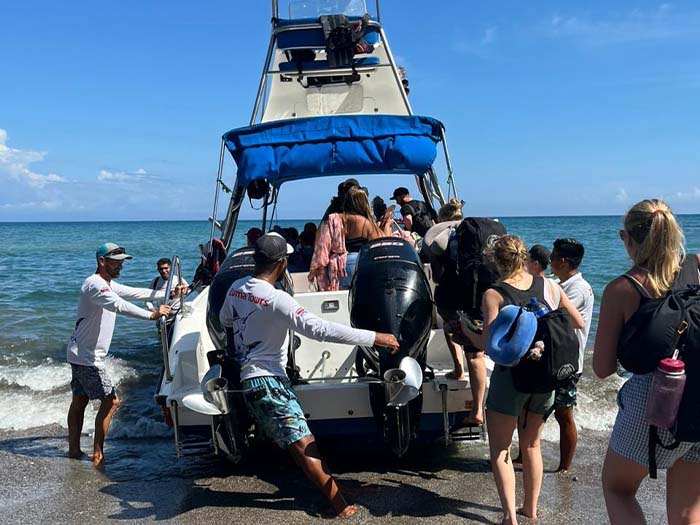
x,y
683,493
529,429
306,454
568,436
500,429
457,354
477,381
108,407
76,413
621,479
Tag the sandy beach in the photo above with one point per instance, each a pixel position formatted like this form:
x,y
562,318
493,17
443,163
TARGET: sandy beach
x,y
435,485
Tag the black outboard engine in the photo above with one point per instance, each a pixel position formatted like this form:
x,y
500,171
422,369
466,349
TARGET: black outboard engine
x,y
390,293
221,385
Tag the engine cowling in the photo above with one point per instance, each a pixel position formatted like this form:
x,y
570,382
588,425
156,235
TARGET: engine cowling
x,y
390,293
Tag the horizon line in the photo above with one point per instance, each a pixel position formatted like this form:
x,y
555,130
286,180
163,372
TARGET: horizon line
x,y
300,219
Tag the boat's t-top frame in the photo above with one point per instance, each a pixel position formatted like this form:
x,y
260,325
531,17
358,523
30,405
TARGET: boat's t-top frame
x,y
268,155
300,83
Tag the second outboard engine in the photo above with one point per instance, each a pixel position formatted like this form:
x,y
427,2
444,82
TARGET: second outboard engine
x,y
390,293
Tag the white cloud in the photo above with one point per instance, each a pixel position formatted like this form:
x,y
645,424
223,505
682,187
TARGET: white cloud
x,y
16,163
44,205
621,195
692,195
479,47
125,177
637,25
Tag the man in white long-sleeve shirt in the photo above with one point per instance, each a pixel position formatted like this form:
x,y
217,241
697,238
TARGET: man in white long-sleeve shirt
x,y
101,299
261,317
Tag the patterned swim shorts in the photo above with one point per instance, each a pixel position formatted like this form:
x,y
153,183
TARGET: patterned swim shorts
x,y
91,381
565,394
276,410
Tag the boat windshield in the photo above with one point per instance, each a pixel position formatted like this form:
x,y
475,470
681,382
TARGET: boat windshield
x,y
316,8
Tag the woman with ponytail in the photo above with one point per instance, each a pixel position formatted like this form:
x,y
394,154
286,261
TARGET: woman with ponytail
x,y
506,408
655,244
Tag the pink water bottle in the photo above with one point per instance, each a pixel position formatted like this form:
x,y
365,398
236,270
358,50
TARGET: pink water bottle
x,y
665,394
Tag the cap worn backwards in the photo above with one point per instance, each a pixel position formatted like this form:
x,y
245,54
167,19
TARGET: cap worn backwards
x,y
271,248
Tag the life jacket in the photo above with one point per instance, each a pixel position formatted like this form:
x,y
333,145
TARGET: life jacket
x,y
344,39
560,348
658,328
476,272
212,255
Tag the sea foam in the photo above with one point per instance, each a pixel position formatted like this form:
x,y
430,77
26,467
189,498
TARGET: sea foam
x,y
38,396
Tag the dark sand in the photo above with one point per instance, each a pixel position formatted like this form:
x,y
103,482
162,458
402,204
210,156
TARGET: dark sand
x,y
145,483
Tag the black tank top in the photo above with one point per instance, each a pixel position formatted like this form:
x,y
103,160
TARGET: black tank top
x,y
355,244
513,295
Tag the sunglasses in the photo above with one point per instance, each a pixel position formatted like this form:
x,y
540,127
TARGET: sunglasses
x,y
116,251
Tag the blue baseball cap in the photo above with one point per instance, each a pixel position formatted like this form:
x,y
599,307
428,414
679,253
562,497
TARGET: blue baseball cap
x,y
109,250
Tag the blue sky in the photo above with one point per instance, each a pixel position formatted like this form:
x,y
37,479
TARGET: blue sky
x,y
115,111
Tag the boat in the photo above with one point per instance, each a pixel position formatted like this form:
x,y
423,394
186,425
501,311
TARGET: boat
x,y
331,102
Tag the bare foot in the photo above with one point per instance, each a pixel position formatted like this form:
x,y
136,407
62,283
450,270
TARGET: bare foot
x,y
455,374
98,460
532,515
76,454
475,420
348,511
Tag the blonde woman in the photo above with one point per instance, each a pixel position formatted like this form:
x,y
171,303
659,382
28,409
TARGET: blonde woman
x,y
654,241
506,408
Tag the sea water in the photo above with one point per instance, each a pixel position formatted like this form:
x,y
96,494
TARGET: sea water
x,y
42,266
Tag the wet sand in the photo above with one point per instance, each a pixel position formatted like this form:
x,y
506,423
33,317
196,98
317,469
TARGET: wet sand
x,y
146,483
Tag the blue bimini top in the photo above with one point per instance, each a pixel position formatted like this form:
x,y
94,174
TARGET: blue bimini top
x,y
304,148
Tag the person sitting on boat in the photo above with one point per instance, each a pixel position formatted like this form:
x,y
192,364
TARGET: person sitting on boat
x,y
261,317
417,217
101,298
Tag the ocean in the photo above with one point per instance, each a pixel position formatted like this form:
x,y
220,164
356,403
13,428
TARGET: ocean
x,y
42,266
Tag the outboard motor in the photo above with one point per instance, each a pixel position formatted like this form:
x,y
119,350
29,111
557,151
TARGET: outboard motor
x,y
390,293
221,385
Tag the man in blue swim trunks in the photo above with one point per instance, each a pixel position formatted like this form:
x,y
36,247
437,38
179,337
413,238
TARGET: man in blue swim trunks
x,y
261,317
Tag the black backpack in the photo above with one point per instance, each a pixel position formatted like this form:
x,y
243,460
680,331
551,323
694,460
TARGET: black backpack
x,y
658,328
559,359
423,217
560,355
477,274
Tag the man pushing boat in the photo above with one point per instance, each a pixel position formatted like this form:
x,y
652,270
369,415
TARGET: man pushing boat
x,y
261,317
101,298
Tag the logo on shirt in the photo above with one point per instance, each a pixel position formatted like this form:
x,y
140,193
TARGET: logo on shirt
x,y
299,311
238,294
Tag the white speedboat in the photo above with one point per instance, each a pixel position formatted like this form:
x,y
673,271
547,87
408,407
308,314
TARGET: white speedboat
x,y
331,102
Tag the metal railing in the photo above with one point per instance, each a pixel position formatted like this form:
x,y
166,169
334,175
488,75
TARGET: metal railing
x,y
163,321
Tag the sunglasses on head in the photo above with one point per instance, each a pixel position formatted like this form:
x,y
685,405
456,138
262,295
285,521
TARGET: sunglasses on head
x,y
116,251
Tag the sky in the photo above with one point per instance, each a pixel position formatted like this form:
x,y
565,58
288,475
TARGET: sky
x,y
115,111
